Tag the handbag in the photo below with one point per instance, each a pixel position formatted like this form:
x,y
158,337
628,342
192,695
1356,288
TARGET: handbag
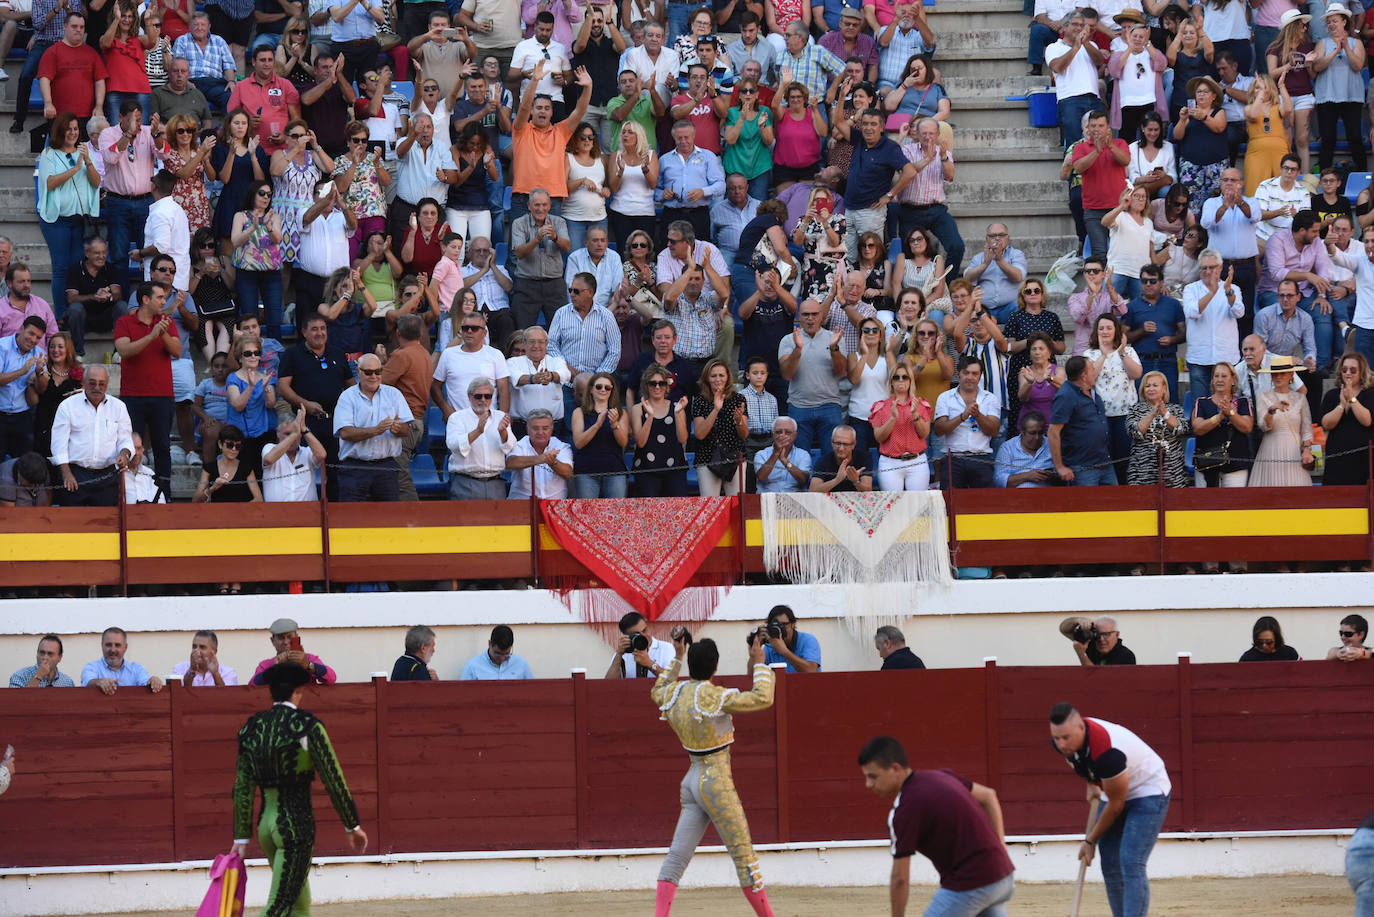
x,y
227,883
1213,459
723,464
765,257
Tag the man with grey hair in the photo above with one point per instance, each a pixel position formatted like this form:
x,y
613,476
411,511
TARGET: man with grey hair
x,y
809,64
1212,305
6,253
424,169
414,664
691,178
479,438
1096,642
371,420
179,96
998,271
539,455
922,202
539,241
537,380
782,468
893,651
204,668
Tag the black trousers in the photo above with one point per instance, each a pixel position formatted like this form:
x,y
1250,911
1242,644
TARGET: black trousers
x,y
94,487
699,217
1328,115
1246,277
16,434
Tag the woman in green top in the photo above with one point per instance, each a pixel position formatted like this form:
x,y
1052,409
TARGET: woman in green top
x,y
379,269
749,140
68,192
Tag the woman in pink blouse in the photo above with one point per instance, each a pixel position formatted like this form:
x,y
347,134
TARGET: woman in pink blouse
x,y
901,425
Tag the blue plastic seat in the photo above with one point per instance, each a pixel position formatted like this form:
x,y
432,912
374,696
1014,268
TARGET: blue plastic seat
x,y
505,199
502,250
435,428
405,88
894,249
429,481
1189,448
1356,182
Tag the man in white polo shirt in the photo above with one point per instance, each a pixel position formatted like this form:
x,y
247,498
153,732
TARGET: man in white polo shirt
x,y
1074,60
325,230
288,471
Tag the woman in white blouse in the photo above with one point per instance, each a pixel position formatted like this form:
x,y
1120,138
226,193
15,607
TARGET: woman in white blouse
x,y
1118,368
1152,165
1131,243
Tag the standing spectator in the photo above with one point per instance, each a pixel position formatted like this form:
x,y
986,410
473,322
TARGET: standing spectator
x,y
636,103
1284,457
1138,79
123,49
479,438
312,376
1101,160
690,177
798,59
1154,164
1079,433
1211,308
752,46
68,184
901,425
187,158
64,381
433,52
540,458
474,164
597,49
846,41
1074,60
492,286
494,26
749,136
1345,415
408,370
475,359
541,45
147,344
1031,319
600,431
296,170
584,209
91,443
1203,153
1222,422
23,366
328,105
1116,367
1155,326
1131,239
998,271
362,181
19,304
537,380
166,233
682,245
273,98
252,398
1231,222
49,19
179,96
720,422
1099,297
72,77
701,103
325,231
212,66
355,34
295,56
371,421
1291,58
1267,147
539,240
256,243
632,178
871,186
968,417
539,146
1158,430
659,427
768,315
923,201
1339,62
811,360
288,471
584,334
425,165
238,161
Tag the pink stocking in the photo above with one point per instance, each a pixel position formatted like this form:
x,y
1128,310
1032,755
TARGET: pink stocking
x,y
758,900
664,902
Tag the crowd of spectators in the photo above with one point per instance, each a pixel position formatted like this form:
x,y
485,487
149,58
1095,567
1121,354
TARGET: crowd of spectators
x,y
693,209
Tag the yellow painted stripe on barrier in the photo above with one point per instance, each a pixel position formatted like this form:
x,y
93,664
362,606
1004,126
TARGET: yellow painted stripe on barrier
x,y
430,539
66,546
1140,523
1265,523
249,542
548,543
807,532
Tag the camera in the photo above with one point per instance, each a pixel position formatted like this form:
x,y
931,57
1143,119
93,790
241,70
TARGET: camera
x,y
1085,633
638,642
770,631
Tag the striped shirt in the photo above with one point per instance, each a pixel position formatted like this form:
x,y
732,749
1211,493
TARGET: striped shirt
x,y
892,59
762,408
838,320
211,61
928,187
695,323
591,344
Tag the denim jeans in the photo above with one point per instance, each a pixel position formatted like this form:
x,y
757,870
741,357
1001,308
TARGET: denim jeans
x,y
1359,871
1265,35
252,287
1323,326
215,90
987,901
1128,287
151,417
1098,237
577,232
758,186
26,78
935,218
590,487
1001,313
125,219
113,100
1041,37
679,20
64,238
1071,112
1125,849
1200,380
1119,445
1094,477
1364,342
814,425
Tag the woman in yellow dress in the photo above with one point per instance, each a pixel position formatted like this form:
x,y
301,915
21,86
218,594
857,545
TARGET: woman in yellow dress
x,y
1267,142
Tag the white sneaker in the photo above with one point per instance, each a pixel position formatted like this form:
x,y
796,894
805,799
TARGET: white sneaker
x,y
194,459
3,75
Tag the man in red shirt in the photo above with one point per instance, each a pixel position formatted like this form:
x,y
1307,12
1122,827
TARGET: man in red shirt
x,y
952,821
703,105
270,100
1101,160
71,75
147,343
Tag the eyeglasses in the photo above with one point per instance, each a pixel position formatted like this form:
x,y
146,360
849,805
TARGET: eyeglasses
x,y
1269,642
252,353
837,442
601,388
298,31
871,245
871,330
166,270
430,88
263,192
480,396
748,92
297,136
1346,633
370,372
587,137
657,383
230,445
578,291
634,245
997,235
901,378
185,130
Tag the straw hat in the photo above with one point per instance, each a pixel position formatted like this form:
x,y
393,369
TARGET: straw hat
x,y
1278,364
1130,15
1292,16
1211,84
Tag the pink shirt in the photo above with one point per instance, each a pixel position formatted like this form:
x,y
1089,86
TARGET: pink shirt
x,y
130,179
449,278
269,104
884,10
328,678
12,319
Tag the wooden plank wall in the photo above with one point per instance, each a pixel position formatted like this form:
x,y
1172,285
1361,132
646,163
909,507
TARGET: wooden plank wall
x,y
577,763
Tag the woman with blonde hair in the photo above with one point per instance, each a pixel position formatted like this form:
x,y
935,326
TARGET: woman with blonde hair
x,y
870,368
188,158
296,55
1265,118
932,371
1221,423
901,425
1118,367
1158,431
659,427
632,175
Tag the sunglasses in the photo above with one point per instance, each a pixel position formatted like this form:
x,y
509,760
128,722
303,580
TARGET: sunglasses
x,y
185,130
230,445
634,245
353,140
480,396
871,330
1146,281
264,193
748,92
672,241
587,137
657,383
297,136
1033,290
252,353
431,88
927,334
1346,633
1092,270
369,372
470,327
601,388
166,270
902,378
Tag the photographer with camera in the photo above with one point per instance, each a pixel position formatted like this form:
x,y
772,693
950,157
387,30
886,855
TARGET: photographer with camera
x,y
639,654
785,644
1096,642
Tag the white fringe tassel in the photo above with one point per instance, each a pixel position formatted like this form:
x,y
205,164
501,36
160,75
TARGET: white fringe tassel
x,y
893,546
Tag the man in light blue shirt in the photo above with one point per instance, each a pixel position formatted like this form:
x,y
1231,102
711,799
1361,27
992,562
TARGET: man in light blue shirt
x,y
998,271
584,334
597,259
801,652
419,162
497,663
730,216
897,42
370,420
21,360
690,178
112,670
355,34
1025,460
782,468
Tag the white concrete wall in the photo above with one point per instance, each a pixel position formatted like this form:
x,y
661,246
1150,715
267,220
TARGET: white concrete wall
x,y
1014,620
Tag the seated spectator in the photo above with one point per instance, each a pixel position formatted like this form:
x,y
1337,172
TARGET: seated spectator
x,y
497,663
601,431
24,481
1039,378
1158,429
1025,460
288,471
204,669
782,468
800,651
901,426
93,293
537,380
212,67
639,654
286,640
550,460
838,470
1267,643
595,257
414,663
1180,259
230,477
760,405
659,426
479,438
1354,630
721,425
44,674
112,670
1153,164
893,651
1116,367
1096,642
140,484
968,417
1079,433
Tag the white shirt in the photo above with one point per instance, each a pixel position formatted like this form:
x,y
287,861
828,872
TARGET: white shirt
x,y
609,273
484,457
356,409
1213,336
416,176
386,127
1355,260
141,486
660,651
549,484
651,73
1140,165
531,395
168,231
1137,85
1262,382
441,116
1078,78
1235,111
1055,9
205,679
289,479
968,436
1271,196
530,52
324,244
457,367
1145,771
91,436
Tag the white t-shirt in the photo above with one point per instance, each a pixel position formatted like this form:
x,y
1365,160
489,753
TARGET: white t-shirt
x,y
1129,247
386,127
1228,23
968,436
551,486
529,53
661,652
1078,78
457,367
1138,80
1145,770
289,480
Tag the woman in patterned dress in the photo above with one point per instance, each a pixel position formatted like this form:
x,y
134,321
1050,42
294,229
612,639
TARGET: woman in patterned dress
x,y
1117,369
1158,428
189,160
820,232
1031,315
362,180
295,170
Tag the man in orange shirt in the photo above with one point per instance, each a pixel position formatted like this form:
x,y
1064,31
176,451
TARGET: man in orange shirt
x,y
408,370
539,147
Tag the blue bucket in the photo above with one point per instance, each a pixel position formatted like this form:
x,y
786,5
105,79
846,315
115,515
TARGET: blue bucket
x,y
1044,109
